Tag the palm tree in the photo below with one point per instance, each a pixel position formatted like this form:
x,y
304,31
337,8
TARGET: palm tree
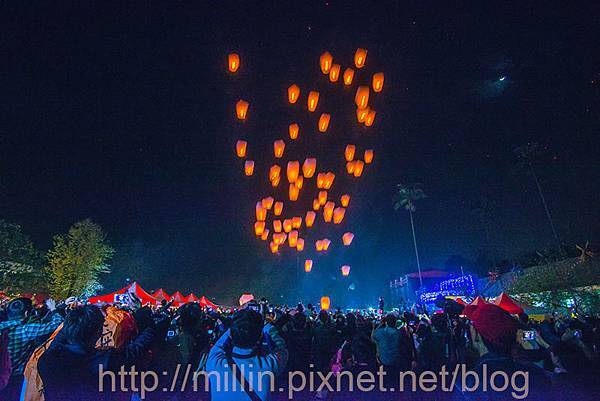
x,y
406,195
526,155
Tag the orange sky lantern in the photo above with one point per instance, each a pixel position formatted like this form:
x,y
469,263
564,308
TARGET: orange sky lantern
x,y
349,152
277,226
293,192
329,178
275,182
324,122
368,156
358,168
278,148
316,204
319,246
293,93
309,167
313,100
287,225
278,208
249,167
241,109
370,118
274,247
362,97
299,182
300,245
274,172
296,222
259,228
233,62
308,264
377,82
350,167
345,200
261,212
279,238
267,203
309,220
240,148
360,57
322,197
347,238
328,211
293,239
345,270
361,114
293,130
326,60
338,215
326,244
325,303
334,73
265,234
348,76
293,169
320,180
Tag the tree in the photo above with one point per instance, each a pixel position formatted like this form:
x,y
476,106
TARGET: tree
x,y
406,196
77,259
21,264
526,155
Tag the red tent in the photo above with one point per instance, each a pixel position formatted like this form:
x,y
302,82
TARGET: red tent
x,y
178,299
506,303
205,302
161,294
192,298
134,288
470,308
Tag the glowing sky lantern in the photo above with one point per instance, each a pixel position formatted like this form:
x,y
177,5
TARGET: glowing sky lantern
x,y
293,239
308,264
328,211
300,245
279,238
362,97
322,197
267,203
241,109
334,73
348,76
368,156
287,225
265,234
350,167
277,226
299,181
329,178
296,222
324,122
347,238
358,168
370,118
345,200
261,212
274,172
361,114
293,130
309,219
278,148
233,62
293,169
249,167
274,247
326,60
240,148
349,152
326,244
360,57
345,270
316,205
313,100
338,215
320,180
325,303
259,228
309,167
293,93
319,246
293,192
377,82
278,208
275,182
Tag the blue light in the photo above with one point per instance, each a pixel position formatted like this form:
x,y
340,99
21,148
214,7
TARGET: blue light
x,y
459,286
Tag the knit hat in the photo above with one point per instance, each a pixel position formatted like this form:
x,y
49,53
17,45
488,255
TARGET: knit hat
x,y
495,325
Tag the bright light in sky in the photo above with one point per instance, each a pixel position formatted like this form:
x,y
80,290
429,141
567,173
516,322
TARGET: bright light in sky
x,y
502,78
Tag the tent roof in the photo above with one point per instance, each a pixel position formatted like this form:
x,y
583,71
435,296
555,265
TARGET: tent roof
x,y
192,298
134,288
161,294
207,303
507,303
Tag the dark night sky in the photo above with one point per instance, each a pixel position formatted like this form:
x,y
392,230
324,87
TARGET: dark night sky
x,y
124,114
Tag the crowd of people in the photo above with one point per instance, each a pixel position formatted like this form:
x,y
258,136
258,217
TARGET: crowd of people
x,y
60,352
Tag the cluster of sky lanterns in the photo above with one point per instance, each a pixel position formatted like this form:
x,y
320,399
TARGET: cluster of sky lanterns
x,y
290,230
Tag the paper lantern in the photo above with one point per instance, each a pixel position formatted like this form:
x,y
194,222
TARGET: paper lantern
x,y
277,226
267,203
368,156
293,129
326,60
299,182
241,109
296,222
300,245
370,118
293,93
338,215
358,168
309,219
350,167
324,122
261,212
322,197
325,303
316,205
293,239
328,211
309,167
249,167
321,180
279,238
274,247
275,182
313,100
293,169
362,113
293,192
360,57
362,97
265,234
349,152
329,178
278,208
347,238
378,82
319,246
348,76
308,264
287,225
274,172
334,73
259,228
345,200
345,270
240,148
233,62
278,148
326,244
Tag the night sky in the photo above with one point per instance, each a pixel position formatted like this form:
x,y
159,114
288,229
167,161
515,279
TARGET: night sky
x,y
124,114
